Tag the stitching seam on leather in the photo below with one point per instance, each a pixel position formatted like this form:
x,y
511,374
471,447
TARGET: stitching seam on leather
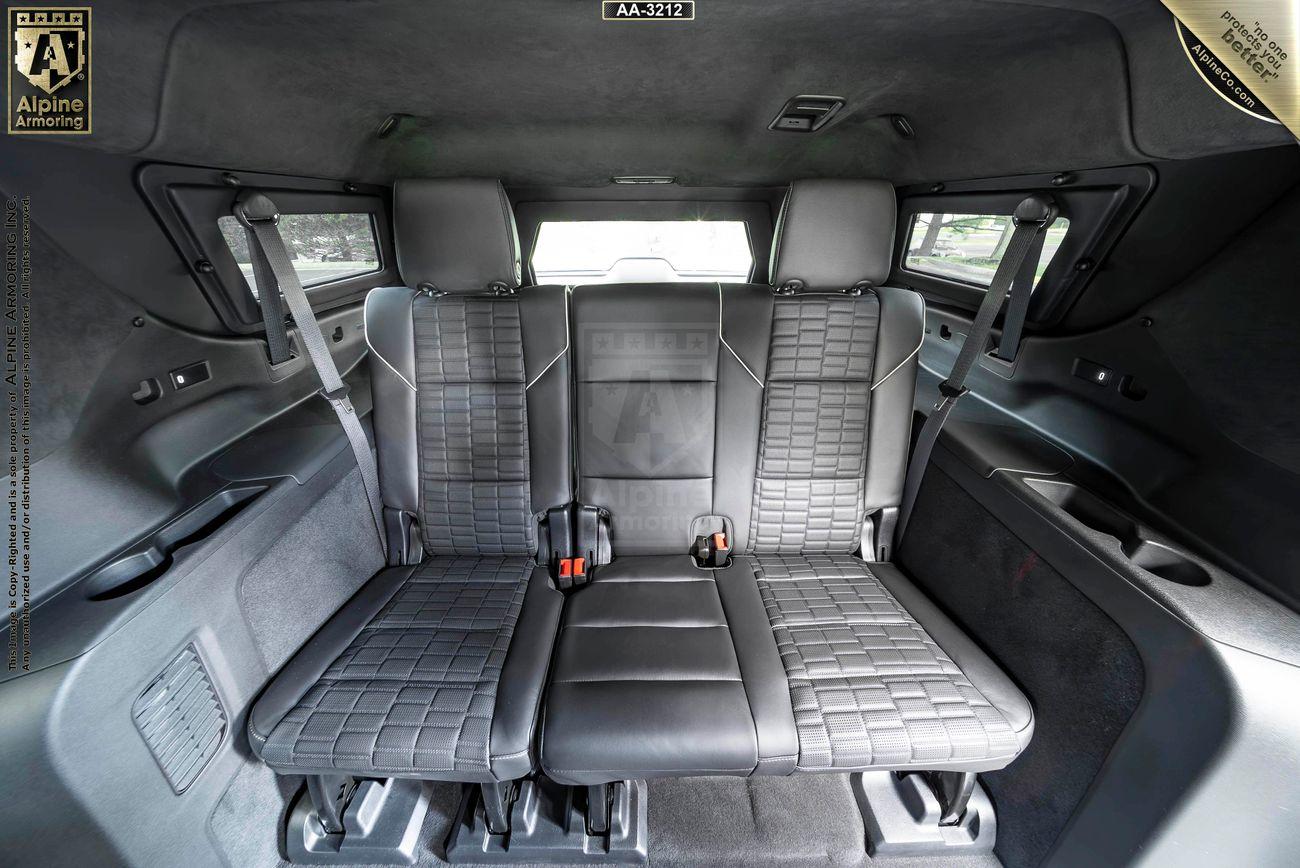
x,y
728,346
365,328
563,351
905,360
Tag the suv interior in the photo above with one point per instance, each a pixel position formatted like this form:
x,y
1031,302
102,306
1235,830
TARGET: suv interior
x,y
811,433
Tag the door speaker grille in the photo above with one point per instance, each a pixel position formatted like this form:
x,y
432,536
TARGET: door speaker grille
x,y
181,719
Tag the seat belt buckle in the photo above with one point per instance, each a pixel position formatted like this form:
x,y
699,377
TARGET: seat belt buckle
x,y
711,541
572,568
712,551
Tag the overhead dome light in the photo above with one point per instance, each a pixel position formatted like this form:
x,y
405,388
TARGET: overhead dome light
x,y
643,179
807,113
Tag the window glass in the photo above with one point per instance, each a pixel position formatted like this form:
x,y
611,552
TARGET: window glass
x,y
968,247
642,251
322,247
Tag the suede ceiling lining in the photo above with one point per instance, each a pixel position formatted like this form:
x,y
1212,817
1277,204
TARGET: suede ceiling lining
x,y
544,92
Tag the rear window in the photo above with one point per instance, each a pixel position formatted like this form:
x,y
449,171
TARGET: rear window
x,y
323,247
968,247
642,251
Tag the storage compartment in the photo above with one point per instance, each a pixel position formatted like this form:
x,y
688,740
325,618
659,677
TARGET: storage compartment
x,y
1085,507
148,560
1136,542
1163,561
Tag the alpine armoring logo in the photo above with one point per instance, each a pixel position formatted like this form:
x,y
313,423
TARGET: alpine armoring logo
x,y
49,70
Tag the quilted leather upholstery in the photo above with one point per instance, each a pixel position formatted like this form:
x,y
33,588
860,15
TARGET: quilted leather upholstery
x,y
414,692
472,426
808,495
869,686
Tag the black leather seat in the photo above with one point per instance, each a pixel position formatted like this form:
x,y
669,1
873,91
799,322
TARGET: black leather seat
x,y
784,412
436,669
778,413
663,669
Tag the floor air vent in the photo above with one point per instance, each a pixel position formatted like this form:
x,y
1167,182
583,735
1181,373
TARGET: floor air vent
x,y
181,719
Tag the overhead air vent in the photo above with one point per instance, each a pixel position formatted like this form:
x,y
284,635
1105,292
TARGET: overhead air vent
x,y
807,114
181,719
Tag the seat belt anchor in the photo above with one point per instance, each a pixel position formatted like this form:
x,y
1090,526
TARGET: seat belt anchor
x,y
254,207
1037,208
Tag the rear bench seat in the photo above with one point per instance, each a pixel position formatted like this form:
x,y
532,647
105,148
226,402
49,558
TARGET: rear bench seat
x,y
435,669
778,413
788,413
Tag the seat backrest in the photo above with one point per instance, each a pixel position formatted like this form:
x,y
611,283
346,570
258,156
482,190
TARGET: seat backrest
x,y
665,411
786,409
841,371
470,375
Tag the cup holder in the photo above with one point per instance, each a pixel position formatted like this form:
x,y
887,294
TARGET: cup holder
x,y
1170,565
1157,558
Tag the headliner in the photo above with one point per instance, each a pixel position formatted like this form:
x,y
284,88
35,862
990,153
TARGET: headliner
x,y
545,93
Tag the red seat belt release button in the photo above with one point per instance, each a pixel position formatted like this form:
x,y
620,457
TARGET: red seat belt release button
x,y
579,566
566,567
720,542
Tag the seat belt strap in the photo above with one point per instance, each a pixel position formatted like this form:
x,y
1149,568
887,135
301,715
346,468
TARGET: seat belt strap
x,y
1032,217
277,336
260,216
1018,304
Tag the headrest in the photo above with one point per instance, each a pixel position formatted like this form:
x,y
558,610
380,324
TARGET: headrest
x,y
457,234
833,234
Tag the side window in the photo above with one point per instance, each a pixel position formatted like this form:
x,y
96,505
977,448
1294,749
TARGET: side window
x,y
324,247
968,247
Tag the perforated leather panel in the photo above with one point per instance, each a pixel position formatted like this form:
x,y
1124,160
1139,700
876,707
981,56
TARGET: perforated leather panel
x,y
472,427
870,688
416,689
808,496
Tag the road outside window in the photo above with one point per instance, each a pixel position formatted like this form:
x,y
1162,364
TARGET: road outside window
x,y
323,247
968,247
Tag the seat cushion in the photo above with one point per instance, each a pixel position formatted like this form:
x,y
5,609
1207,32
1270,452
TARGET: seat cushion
x,y
661,670
870,685
431,672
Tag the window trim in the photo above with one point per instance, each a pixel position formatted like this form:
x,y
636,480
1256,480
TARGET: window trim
x,y
188,201
1099,203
